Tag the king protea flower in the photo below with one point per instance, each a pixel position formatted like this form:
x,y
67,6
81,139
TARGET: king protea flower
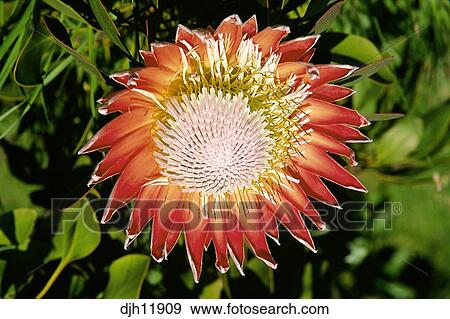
x,y
221,136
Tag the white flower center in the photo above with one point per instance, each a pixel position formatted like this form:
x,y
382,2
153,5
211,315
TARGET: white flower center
x,y
212,143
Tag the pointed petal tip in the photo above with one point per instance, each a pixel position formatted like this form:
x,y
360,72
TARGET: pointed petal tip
x,y
157,259
93,180
129,239
221,269
102,110
233,17
85,149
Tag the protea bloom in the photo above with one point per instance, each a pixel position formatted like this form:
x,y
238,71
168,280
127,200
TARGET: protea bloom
x,y
230,130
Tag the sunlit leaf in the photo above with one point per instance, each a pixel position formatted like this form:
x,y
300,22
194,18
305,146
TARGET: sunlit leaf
x,y
16,227
284,3
107,24
364,51
212,290
82,234
399,141
126,276
78,236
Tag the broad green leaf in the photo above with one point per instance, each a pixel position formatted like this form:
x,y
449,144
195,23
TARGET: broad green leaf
x,y
398,142
78,237
423,223
327,19
83,236
16,227
369,96
156,2
364,51
107,24
213,290
126,276
374,117
437,128
50,24
17,193
24,220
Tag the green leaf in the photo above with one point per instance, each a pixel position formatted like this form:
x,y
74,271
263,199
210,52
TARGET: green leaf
x,y
373,67
2,271
65,9
156,3
16,227
374,117
85,237
423,223
213,290
399,141
28,70
52,25
364,51
19,29
107,24
327,19
284,3
126,276
9,63
437,128
78,237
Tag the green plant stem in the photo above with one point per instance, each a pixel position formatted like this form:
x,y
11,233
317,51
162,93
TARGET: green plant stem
x,y
52,279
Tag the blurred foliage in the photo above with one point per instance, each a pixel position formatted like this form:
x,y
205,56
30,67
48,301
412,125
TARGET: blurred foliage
x,y
55,55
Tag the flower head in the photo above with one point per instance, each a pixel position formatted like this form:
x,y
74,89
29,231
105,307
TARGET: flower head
x,y
221,136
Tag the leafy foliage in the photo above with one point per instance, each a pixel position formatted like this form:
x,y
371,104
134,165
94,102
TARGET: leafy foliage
x,y
55,56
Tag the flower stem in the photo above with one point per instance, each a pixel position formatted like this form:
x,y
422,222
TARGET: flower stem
x,y
52,279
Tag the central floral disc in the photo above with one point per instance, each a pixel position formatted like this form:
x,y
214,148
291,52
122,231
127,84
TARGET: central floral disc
x,y
213,144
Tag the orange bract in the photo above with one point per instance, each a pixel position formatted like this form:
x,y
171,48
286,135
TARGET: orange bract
x,y
207,78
